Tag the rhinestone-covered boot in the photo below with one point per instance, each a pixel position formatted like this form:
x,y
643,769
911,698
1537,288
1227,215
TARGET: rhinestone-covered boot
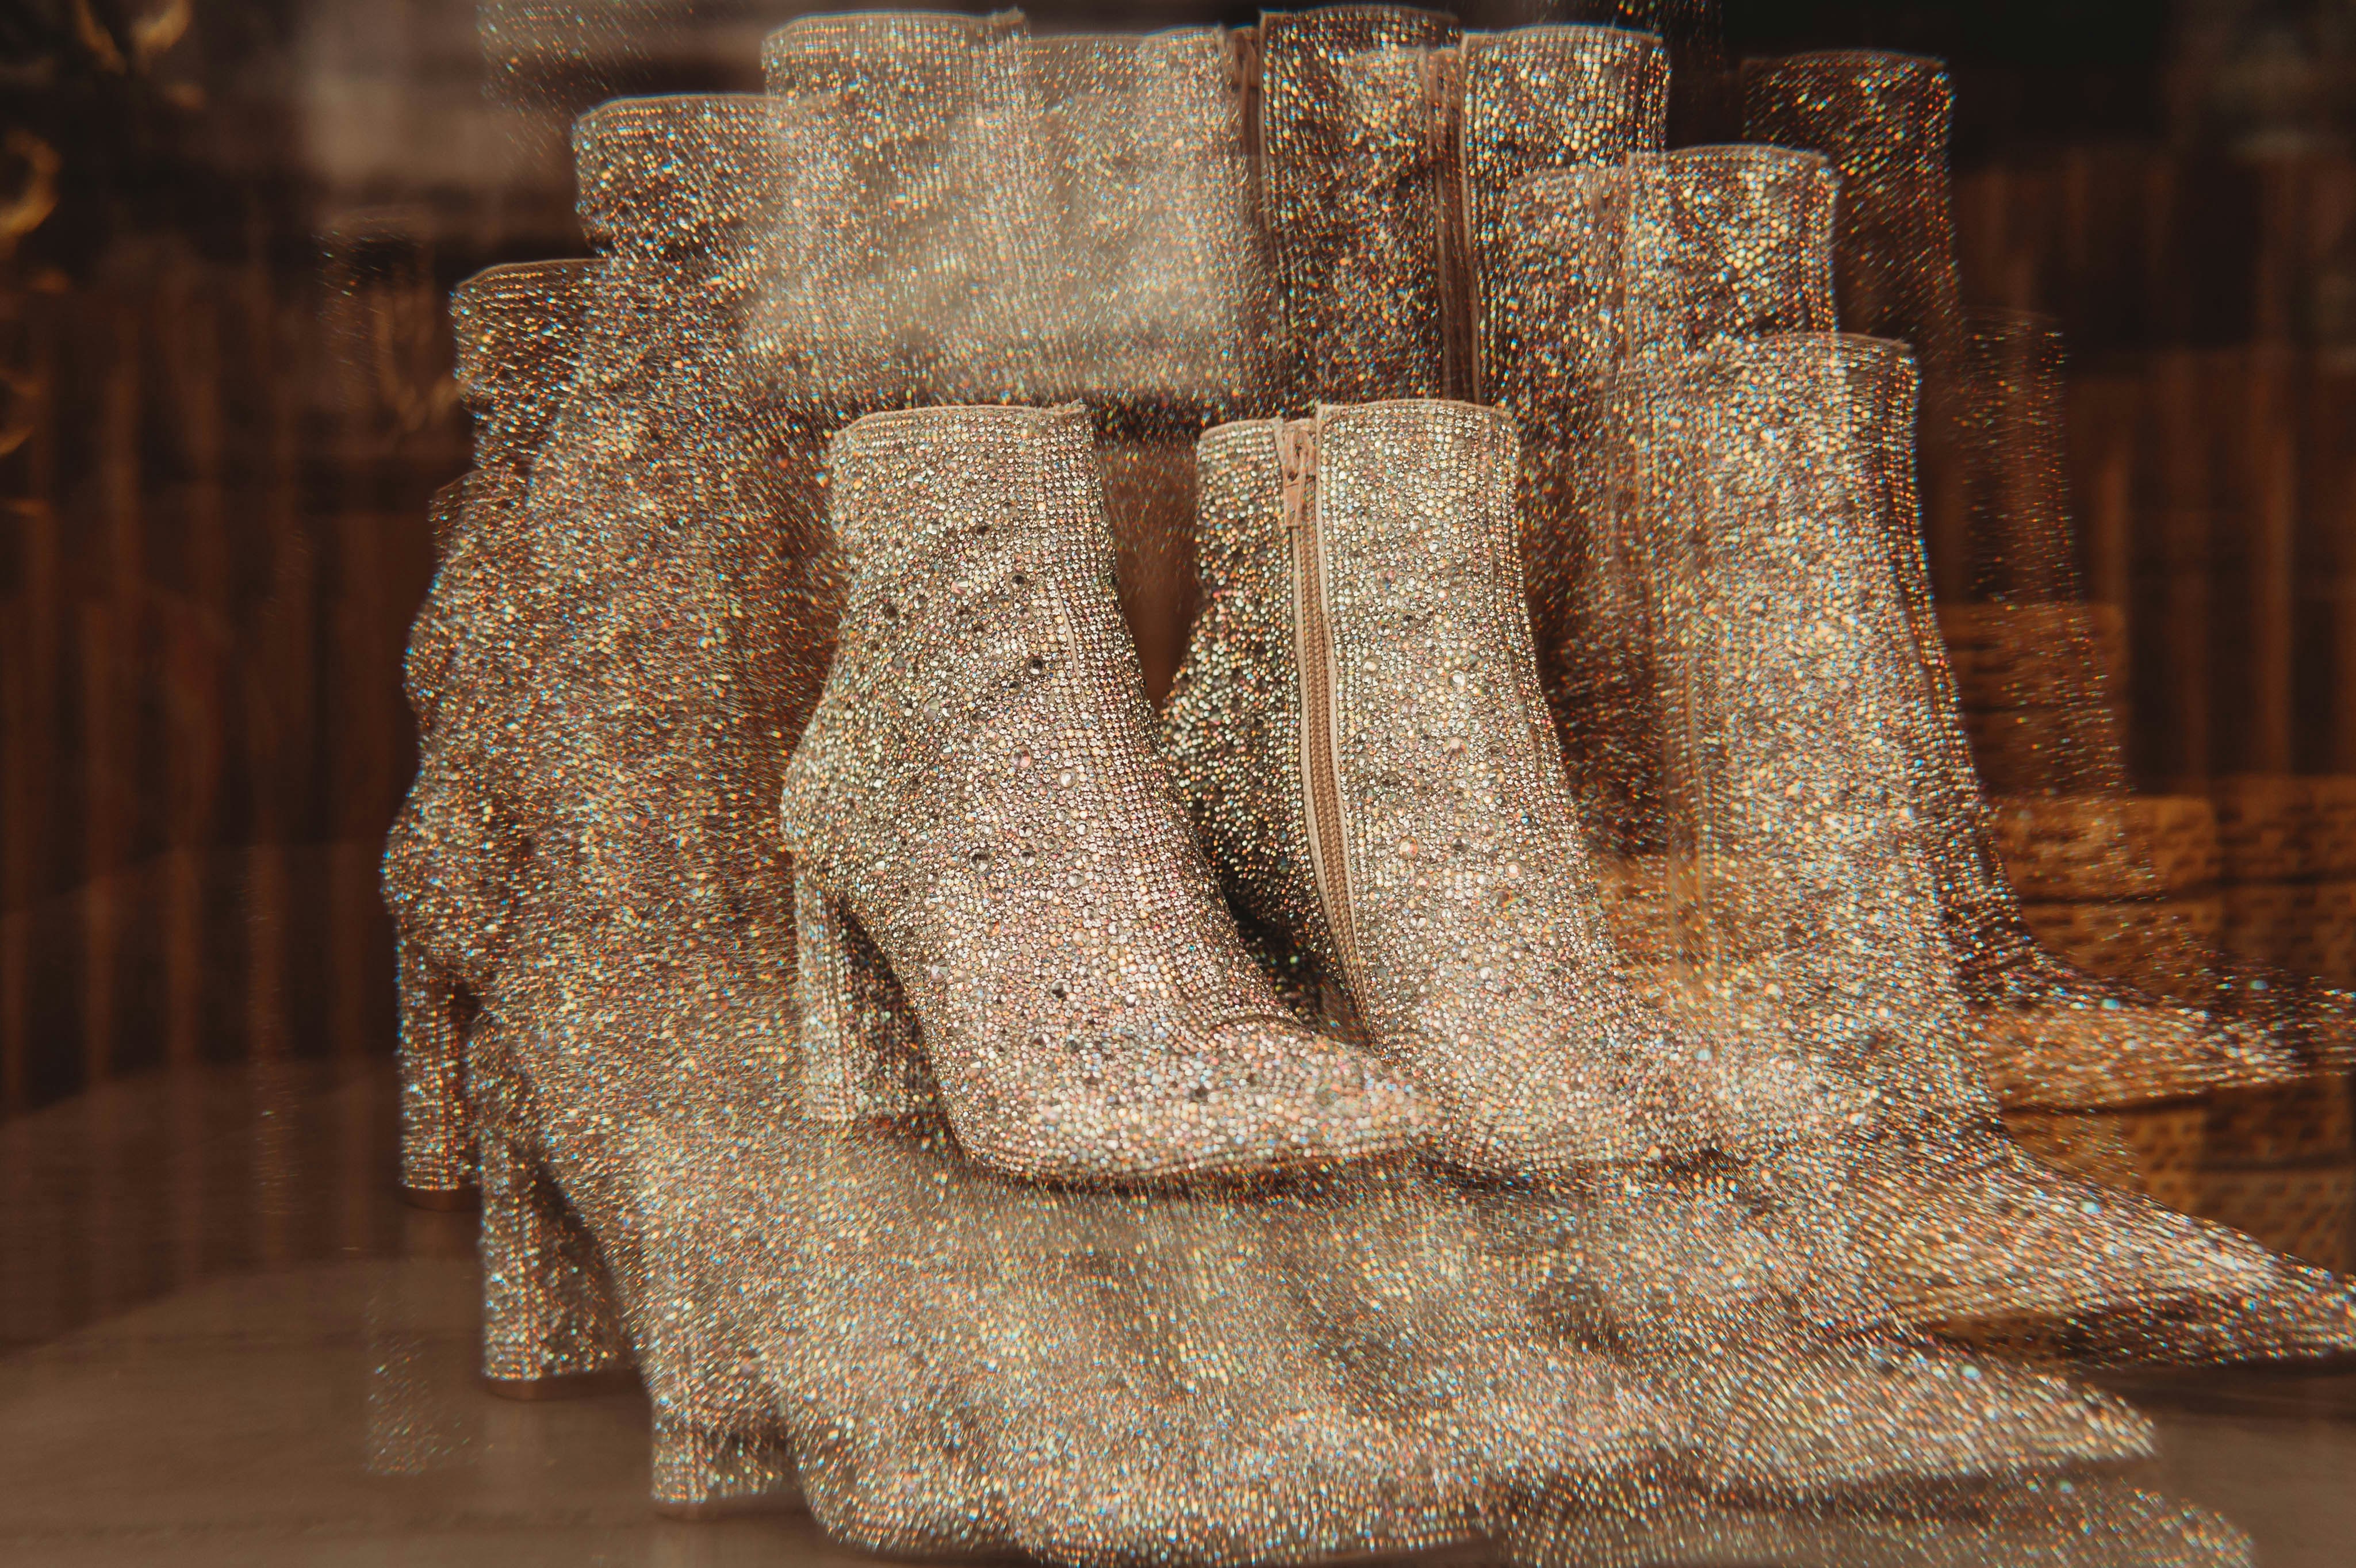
x,y
978,794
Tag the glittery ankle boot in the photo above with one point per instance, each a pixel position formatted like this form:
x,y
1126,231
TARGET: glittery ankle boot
x,y
449,862
1358,734
551,1324
1807,946
2050,1035
438,1159
978,796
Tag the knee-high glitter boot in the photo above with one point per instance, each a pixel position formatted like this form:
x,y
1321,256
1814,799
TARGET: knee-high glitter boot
x,y
644,993
976,793
448,863
1390,140
1355,129
1358,734
1539,103
1157,286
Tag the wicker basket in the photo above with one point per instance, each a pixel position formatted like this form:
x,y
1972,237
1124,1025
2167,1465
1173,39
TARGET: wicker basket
x,y
2330,843
2262,826
2035,655
2073,849
2323,944
2262,921
2310,1121
2308,1212
2153,943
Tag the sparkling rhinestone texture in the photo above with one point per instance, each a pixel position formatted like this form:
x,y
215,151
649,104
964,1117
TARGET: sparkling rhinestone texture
x,y
979,791
2002,558
1356,105
1504,1059
450,862
1808,947
663,622
1426,856
1399,809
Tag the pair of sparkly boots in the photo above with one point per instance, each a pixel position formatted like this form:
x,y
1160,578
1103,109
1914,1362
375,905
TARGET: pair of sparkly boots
x,y
989,849
1004,915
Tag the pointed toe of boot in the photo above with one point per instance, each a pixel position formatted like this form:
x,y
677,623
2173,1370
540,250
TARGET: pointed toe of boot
x,y
1837,1418
1986,1243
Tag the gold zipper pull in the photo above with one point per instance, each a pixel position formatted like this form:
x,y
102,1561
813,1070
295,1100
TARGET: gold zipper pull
x,y
1296,457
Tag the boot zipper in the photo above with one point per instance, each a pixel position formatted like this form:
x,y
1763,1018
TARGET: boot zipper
x,y
1312,647
1443,73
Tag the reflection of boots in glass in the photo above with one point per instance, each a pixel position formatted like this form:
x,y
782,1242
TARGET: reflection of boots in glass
x,y
986,215
1705,106
449,865
1547,112
1157,286
2088,1521
1538,100
1670,254
907,266
1359,735
2050,1035
437,1134
1155,290
2044,709
978,796
1882,120
1808,937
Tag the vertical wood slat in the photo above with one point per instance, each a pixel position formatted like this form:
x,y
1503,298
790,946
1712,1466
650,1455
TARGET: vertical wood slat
x,y
2270,510
2329,558
102,833
187,332
279,679
109,648
362,772
29,754
29,647
2104,416
2171,620
153,632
